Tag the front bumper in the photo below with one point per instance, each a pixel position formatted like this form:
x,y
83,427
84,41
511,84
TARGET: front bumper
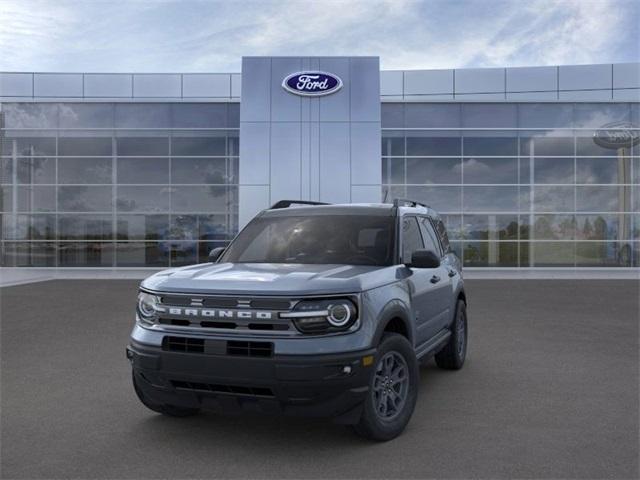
x,y
327,385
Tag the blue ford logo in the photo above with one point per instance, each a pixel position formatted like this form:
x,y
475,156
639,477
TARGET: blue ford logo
x,y
312,84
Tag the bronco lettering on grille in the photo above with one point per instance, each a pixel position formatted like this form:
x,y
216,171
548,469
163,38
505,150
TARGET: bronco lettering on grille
x,y
214,313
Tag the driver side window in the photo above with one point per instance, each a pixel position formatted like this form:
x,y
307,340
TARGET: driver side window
x,y
411,238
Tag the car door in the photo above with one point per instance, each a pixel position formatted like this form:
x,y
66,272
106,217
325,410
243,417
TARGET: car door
x,y
443,286
424,292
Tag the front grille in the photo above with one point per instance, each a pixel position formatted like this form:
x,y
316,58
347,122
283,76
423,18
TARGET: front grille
x,y
250,349
183,344
229,389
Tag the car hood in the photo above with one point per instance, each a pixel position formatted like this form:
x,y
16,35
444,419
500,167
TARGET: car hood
x,y
270,279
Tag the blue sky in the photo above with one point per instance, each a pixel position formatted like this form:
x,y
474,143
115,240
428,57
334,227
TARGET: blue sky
x,y
212,36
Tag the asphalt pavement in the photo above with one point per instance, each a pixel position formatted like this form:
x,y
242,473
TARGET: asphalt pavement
x,y
549,390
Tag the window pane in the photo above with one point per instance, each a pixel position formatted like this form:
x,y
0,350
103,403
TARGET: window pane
x,y
143,227
37,254
143,170
603,199
200,199
233,115
184,227
30,146
490,146
36,170
453,224
84,199
491,227
392,115
603,170
200,170
30,115
490,170
490,199
598,114
83,115
494,254
143,199
93,254
540,145
85,227
143,146
434,170
392,143
553,199
84,146
6,171
442,199
587,147
418,145
204,248
396,170
430,115
545,115
553,170
489,115
554,227
552,254
84,170
141,255
36,199
215,227
198,146
28,227
199,115
604,227
145,115
181,252
603,254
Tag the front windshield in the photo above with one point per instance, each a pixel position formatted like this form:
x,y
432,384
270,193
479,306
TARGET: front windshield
x,y
337,239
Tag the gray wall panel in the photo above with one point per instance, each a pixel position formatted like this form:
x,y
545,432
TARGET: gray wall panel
x,y
236,85
101,85
254,154
595,95
626,75
428,82
583,77
253,199
365,153
335,171
206,85
285,161
157,85
285,107
256,90
366,193
57,85
479,80
391,83
16,84
335,107
627,95
532,79
365,81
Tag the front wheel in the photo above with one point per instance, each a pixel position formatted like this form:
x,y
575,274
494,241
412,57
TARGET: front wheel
x,y
452,356
393,390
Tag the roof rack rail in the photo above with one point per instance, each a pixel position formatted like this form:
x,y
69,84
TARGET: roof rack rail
x,y
404,202
288,203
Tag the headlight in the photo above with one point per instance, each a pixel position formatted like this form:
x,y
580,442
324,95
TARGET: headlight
x,y
323,316
147,306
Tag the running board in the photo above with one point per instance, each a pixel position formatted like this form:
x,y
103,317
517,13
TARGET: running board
x,y
433,344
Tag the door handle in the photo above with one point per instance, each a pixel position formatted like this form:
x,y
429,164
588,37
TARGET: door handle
x,y
435,279
452,273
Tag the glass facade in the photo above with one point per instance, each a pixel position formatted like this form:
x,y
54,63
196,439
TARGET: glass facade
x,y
117,184
519,185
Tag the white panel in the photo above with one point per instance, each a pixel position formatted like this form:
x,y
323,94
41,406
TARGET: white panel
x,y
206,85
392,98
108,85
335,182
285,106
365,89
256,89
366,194
335,107
314,161
532,96
479,80
236,85
252,200
57,85
285,161
626,75
305,160
156,85
627,95
425,82
16,85
581,77
532,79
391,83
586,95
479,97
254,153
365,153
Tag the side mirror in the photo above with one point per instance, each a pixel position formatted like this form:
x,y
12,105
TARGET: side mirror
x,y
214,254
424,259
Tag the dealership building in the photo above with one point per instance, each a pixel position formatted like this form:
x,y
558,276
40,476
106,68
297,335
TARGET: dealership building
x,y
531,167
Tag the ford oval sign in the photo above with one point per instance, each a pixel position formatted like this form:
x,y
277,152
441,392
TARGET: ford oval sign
x,y
617,135
312,84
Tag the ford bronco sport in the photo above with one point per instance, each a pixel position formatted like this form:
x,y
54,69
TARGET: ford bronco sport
x,y
313,309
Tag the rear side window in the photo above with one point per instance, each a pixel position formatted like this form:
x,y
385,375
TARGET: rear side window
x,y
411,238
442,233
429,236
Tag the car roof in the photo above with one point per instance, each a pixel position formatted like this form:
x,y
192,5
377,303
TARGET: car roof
x,y
376,209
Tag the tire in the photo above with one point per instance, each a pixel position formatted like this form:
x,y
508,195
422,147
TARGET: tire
x,y
169,410
385,415
452,356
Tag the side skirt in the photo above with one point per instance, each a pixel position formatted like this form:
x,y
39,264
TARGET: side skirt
x,y
432,346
